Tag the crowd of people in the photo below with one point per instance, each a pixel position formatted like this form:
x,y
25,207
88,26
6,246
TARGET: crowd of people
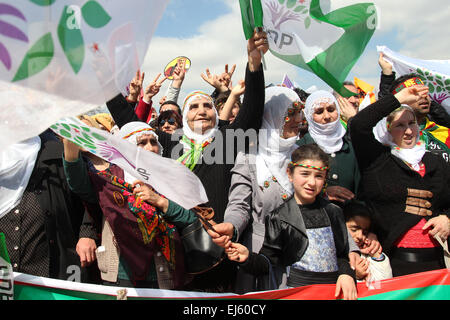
x,y
325,191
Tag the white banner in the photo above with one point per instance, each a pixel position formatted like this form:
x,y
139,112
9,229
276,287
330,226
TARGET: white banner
x,y
48,57
167,176
435,73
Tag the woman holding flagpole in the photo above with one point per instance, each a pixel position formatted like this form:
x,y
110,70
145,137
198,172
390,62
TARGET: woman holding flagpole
x,y
203,136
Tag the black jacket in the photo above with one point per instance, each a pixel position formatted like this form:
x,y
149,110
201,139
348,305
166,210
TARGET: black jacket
x,y
61,214
286,240
216,177
385,178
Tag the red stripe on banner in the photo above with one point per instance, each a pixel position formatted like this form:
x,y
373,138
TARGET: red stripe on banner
x,y
327,291
312,292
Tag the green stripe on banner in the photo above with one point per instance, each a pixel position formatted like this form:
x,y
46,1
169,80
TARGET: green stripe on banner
x,y
426,293
431,285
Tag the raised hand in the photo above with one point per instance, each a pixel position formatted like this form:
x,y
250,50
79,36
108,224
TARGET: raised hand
x,y
153,88
386,67
178,74
135,86
215,81
225,77
412,94
256,46
347,109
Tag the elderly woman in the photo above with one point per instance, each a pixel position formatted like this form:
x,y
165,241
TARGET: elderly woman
x,y
407,188
140,247
207,147
325,129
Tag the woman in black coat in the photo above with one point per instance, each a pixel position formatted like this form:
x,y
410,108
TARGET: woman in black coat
x,y
216,147
407,187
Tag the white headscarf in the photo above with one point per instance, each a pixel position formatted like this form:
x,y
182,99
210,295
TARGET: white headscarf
x,y
412,156
198,137
274,152
131,132
327,136
16,165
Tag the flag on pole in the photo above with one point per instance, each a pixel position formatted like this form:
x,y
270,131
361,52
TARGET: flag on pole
x,y
309,35
48,57
287,82
181,185
366,94
434,73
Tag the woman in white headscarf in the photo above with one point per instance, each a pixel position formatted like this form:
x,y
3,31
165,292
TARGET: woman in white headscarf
x,y
209,148
130,214
407,188
259,183
325,129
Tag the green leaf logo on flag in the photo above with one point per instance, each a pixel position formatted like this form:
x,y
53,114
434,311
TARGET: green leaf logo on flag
x,y
327,44
69,35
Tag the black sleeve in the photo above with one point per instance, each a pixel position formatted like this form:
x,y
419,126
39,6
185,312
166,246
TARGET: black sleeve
x,y
88,228
121,111
366,147
439,115
385,85
252,110
272,249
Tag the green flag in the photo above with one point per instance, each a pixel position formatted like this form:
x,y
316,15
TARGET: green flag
x,y
308,34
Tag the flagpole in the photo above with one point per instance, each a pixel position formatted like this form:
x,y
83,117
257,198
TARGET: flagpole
x,y
263,61
258,29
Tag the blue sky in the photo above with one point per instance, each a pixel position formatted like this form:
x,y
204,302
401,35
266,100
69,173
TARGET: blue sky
x,y
210,33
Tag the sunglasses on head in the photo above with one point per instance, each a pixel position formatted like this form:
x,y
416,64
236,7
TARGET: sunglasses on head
x,y
171,121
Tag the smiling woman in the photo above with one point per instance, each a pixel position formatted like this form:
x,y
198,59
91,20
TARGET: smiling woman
x,y
406,187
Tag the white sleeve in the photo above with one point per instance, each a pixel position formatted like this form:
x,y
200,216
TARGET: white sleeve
x,y
172,94
380,270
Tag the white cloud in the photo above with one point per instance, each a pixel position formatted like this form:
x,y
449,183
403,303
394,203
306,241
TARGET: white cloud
x,y
415,28
219,42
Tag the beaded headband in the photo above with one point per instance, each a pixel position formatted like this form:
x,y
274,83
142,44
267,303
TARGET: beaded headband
x,y
295,164
196,94
416,81
137,131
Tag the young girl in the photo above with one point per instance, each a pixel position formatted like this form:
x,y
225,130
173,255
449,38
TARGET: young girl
x,y
307,233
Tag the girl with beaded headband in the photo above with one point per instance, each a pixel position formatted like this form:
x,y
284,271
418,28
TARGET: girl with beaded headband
x,y
259,181
305,235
